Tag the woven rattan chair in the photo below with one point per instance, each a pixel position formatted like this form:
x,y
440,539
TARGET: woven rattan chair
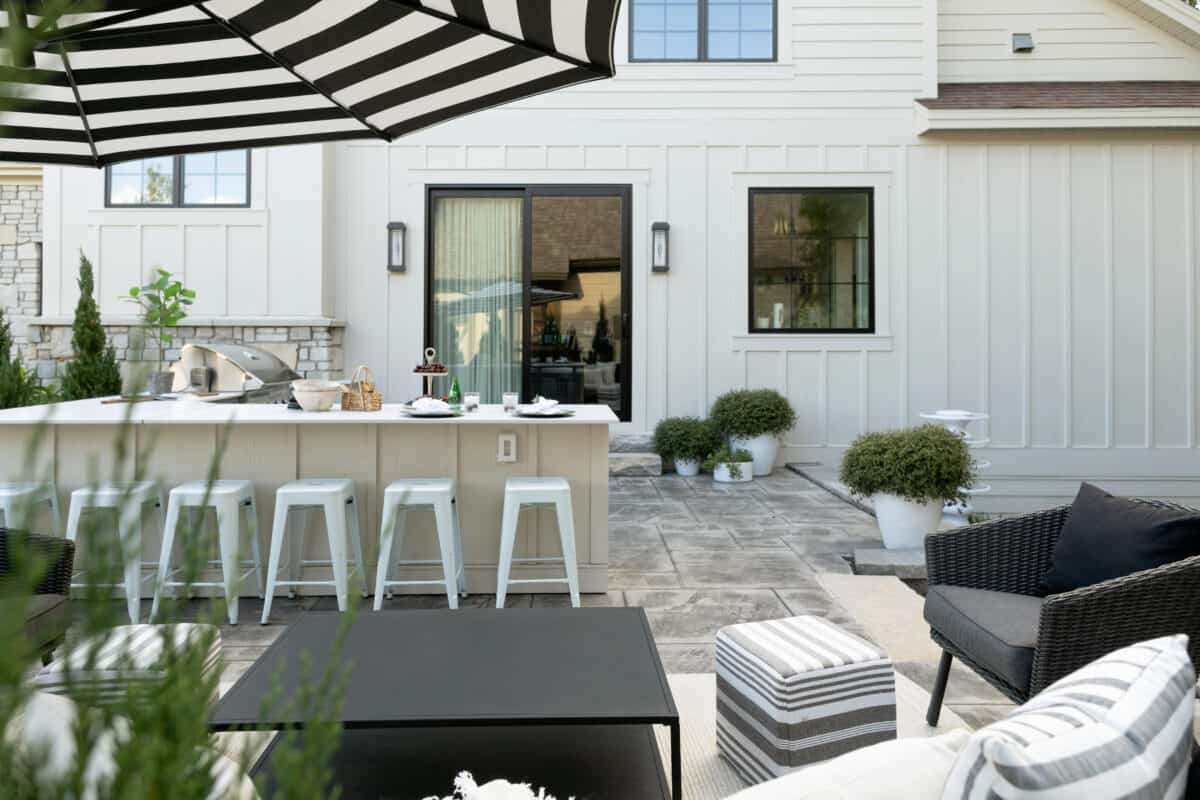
x,y
1067,630
46,612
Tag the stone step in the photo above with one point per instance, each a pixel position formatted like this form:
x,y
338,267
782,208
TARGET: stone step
x,y
905,563
634,464
631,443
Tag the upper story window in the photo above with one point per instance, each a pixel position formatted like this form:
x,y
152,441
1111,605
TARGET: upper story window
x,y
812,263
193,180
702,30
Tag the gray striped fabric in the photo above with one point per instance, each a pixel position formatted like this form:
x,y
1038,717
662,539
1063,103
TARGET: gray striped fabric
x,y
793,692
1117,729
104,669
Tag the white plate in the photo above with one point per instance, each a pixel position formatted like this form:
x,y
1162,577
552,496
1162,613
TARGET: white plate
x,y
412,412
528,411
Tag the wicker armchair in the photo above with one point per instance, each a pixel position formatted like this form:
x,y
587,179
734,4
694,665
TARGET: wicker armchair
x,y
1073,628
45,613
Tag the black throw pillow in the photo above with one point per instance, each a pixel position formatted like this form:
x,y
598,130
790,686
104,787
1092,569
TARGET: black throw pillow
x,y
1108,537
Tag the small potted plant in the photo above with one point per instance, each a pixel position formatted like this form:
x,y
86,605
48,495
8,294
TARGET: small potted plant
x,y
686,441
908,475
163,303
753,420
731,466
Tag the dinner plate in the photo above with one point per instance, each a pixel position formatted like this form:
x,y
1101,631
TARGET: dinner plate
x,y
412,412
527,411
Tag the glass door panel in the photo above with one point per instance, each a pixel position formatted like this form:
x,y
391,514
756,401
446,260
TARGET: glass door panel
x,y
577,311
478,291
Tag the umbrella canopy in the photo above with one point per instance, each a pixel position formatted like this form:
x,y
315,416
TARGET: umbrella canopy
x,y
484,300
156,77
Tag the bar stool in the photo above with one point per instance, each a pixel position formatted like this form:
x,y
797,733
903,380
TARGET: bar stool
x,y
228,498
397,499
18,498
335,496
127,500
555,492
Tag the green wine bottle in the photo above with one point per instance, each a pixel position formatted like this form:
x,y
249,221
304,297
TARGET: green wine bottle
x,y
455,397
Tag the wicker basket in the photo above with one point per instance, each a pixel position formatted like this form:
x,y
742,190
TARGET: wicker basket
x,y
360,394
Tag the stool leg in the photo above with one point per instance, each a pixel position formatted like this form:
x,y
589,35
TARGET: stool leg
x,y
508,535
55,514
129,530
458,551
74,515
228,533
16,513
444,517
335,528
6,513
566,532
391,510
278,530
297,550
356,543
164,555
255,548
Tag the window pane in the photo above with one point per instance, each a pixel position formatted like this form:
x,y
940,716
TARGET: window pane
x,y
125,189
147,181
740,29
215,178
200,163
664,29
231,189
199,190
232,162
810,263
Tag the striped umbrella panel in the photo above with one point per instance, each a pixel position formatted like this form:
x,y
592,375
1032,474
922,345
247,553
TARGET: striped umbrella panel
x,y
160,77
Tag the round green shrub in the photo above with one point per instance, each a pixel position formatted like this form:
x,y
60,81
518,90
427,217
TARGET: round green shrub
x,y
924,463
685,437
752,412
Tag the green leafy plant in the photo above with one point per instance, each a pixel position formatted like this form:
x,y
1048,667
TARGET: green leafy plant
x,y
920,464
691,438
746,413
18,386
94,371
164,304
732,458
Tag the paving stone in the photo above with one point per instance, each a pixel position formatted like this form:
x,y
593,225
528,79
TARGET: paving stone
x,y
758,568
963,688
620,464
906,563
649,513
703,539
826,563
641,558
688,658
695,615
632,579
607,600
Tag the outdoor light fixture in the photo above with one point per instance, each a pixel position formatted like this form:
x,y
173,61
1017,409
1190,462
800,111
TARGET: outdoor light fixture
x,y
660,247
396,247
1022,42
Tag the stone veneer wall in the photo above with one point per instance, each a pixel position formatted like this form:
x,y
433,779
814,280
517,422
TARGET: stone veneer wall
x,y
20,256
314,351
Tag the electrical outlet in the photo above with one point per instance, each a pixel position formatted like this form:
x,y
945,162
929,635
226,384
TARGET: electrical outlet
x,y
506,449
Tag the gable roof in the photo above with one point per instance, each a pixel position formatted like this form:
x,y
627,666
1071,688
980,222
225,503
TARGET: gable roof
x,y
1173,16
1065,94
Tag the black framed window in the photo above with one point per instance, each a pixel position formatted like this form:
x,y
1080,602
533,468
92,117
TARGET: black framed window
x,y
703,30
812,260
196,180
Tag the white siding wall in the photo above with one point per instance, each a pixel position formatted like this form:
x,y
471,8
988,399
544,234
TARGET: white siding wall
x,y
248,264
1077,40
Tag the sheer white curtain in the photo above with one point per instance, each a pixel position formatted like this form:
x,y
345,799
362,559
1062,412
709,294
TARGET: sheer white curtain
x,y
478,292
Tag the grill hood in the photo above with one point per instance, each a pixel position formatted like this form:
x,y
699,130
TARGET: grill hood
x,y
236,367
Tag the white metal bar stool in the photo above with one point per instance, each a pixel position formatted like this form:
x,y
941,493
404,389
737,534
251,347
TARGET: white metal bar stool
x,y
228,498
334,496
555,492
397,499
127,500
18,499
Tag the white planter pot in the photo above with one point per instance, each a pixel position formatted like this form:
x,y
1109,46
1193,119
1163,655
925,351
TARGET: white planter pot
x,y
764,449
687,467
722,473
904,523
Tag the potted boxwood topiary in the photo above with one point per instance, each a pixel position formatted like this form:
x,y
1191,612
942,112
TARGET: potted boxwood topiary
x,y
730,466
754,419
908,475
686,441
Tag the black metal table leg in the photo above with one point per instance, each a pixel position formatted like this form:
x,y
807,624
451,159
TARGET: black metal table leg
x,y
676,763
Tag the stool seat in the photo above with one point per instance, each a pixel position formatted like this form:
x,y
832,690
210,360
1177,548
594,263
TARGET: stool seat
x,y
127,499
440,495
228,498
22,489
18,497
316,489
540,491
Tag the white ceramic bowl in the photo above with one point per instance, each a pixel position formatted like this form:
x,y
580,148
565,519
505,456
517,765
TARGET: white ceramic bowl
x,y
316,395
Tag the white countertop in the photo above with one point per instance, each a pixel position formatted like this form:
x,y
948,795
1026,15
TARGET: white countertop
x,y
194,412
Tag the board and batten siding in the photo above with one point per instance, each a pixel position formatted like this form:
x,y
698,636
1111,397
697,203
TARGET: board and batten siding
x,y
1075,40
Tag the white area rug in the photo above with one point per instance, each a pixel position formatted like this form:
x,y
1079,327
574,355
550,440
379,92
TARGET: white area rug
x,y
706,776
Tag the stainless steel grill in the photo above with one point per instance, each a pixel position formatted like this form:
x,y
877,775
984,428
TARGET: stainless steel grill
x,y
247,374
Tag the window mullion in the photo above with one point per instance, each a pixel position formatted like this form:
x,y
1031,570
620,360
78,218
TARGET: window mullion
x,y
177,181
702,30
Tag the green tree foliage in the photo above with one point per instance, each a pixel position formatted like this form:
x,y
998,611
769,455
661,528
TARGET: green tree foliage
x,y
18,386
94,372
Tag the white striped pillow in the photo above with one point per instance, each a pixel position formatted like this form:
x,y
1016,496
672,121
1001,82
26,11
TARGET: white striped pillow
x,y
1121,727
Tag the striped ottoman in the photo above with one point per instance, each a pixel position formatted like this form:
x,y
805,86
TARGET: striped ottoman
x,y
793,692
126,657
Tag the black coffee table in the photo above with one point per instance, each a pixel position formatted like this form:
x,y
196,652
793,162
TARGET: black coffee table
x,y
561,698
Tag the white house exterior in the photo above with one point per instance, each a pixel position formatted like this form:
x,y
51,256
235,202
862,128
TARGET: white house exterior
x,y
1039,264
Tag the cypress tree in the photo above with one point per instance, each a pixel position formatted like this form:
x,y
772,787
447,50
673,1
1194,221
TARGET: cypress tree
x,y
17,386
94,371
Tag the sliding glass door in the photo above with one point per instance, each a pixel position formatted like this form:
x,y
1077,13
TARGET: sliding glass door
x,y
529,291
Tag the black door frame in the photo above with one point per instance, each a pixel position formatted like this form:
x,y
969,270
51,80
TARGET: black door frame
x,y
527,193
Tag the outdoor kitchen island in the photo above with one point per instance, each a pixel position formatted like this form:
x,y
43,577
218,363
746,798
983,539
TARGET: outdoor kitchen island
x,y
271,445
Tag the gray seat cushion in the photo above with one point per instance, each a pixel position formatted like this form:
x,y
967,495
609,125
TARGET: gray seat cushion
x,y
996,629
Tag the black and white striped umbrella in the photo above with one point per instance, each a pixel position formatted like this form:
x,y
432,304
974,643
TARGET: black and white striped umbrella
x,y
155,77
